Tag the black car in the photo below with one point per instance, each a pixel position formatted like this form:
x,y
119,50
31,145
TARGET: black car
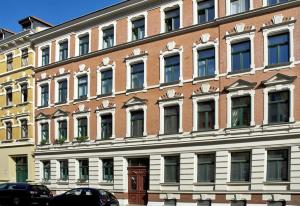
x,y
23,194
85,196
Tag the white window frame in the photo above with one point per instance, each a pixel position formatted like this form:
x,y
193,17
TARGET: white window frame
x,y
56,120
85,71
240,38
241,93
40,48
99,81
106,26
58,177
75,121
202,46
20,89
165,54
134,17
12,94
80,34
128,118
278,88
195,10
4,123
19,120
131,62
56,80
39,90
228,7
205,98
57,46
162,106
43,121
170,6
278,30
99,114
77,169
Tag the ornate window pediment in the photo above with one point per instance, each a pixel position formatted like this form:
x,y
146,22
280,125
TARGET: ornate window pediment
x,y
60,113
41,116
240,85
135,101
279,79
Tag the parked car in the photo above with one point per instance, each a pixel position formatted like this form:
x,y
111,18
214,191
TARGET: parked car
x,y
23,194
85,196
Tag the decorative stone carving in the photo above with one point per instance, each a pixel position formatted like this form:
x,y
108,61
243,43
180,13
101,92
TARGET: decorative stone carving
x,y
205,88
171,45
61,70
240,27
171,93
277,19
43,75
81,108
105,104
81,67
136,51
205,37
105,61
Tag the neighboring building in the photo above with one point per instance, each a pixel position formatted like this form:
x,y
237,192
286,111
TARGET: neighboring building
x,y
173,102
16,103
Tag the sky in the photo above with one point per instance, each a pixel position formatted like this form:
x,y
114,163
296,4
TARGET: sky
x,y
52,11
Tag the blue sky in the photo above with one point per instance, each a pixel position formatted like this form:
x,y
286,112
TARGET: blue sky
x,y
52,11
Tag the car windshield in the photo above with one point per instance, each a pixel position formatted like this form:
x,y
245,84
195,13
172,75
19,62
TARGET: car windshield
x,y
40,189
76,192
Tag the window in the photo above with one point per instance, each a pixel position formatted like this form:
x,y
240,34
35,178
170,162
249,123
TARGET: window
x,y
63,170
137,76
24,93
170,202
106,82
238,203
172,169
240,56
279,109
9,96
206,168
8,130
138,29
276,203
24,128
206,62
204,203
44,95
82,87
171,119
272,2
240,167
108,170
82,127
84,42
45,132
206,115
45,56
46,171
137,123
62,91
278,165
24,61
172,20
206,11
9,61
239,6
172,68
62,130
83,170
63,50
106,126
279,49
241,111
108,37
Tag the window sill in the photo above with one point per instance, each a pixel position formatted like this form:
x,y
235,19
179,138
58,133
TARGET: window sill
x,y
60,103
23,139
276,183
83,182
46,182
7,141
80,99
205,78
43,107
134,91
239,72
170,84
62,182
278,66
278,124
8,107
106,183
238,183
204,130
204,183
170,184
22,104
99,96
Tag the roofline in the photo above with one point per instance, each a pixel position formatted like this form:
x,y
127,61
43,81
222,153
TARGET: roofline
x,y
7,30
15,36
87,17
36,19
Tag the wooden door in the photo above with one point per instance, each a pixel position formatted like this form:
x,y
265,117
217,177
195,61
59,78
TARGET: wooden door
x,y
138,184
21,169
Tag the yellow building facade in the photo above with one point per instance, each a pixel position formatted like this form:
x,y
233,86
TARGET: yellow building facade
x,y
16,102
16,109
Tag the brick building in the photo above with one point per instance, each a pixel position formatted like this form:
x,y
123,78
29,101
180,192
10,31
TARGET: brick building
x,y
175,102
